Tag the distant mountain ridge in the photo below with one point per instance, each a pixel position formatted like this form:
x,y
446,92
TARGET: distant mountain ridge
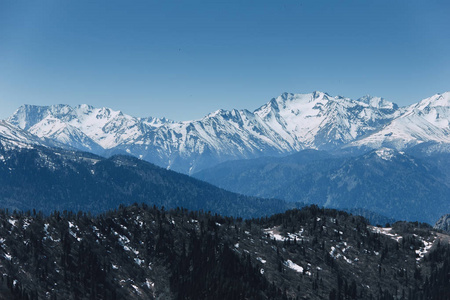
x,y
286,124
55,179
35,174
443,223
384,181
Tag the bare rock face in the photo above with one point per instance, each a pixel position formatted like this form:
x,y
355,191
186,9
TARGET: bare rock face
x,y
443,223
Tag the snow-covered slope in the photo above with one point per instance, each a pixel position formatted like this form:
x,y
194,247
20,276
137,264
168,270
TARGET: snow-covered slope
x,y
12,137
426,121
319,121
83,126
51,127
288,123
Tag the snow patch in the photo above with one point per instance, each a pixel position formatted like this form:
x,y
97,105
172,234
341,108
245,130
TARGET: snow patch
x,y
275,234
385,153
385,231
427,245
293,266
138,261
261,260
12,222
334,252
149,284
136,288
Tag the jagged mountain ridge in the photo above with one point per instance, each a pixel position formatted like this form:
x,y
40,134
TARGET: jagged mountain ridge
x,y
426,121
288,123
13,138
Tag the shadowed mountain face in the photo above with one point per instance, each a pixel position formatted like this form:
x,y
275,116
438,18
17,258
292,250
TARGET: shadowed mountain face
x,y
54,179
443,223
384,181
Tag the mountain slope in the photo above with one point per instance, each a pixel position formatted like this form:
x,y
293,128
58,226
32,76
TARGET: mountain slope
x,y
443,223
320,121
426,121
53,128
13,137
55,179
384,181
101,128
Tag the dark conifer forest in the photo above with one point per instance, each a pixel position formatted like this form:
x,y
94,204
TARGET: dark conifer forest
x,y
145,252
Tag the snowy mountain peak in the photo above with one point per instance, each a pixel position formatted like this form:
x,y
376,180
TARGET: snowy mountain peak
x,y
28,115
321,95
426,121
287,123
86,127
377,102
155,122
437,100
318,120
288,100
83,108
215,114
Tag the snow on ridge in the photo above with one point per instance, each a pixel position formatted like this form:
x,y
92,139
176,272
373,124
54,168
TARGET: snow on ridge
x,y
292,128
377,102
436,100
290,122
428,120
13,137
316,119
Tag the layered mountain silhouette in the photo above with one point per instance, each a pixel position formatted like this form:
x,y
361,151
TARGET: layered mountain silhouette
x,y
286,124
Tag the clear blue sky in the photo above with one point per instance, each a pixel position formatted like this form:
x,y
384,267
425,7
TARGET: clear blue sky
x,y
184,59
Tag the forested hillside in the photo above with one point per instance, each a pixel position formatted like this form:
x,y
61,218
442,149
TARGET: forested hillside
x,y
141,252
49,179
390,183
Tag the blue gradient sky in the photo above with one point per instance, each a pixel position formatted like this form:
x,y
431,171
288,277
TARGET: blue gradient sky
x,y
184,59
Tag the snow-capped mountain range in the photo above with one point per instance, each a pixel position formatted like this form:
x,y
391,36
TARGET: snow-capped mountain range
x,y
286,124
13,137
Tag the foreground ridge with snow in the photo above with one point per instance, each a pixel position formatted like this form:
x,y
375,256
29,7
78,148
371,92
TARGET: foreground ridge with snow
x,y
142,252
286,124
